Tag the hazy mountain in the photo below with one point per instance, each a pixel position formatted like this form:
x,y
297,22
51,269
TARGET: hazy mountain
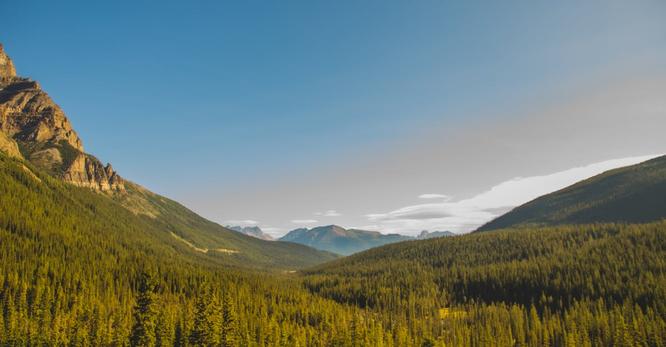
x,y
339,240
253,231
632,194
37,135
425,234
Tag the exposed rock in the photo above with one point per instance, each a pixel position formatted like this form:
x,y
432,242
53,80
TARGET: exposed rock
x,y
6,66
29,117
87,171
28,114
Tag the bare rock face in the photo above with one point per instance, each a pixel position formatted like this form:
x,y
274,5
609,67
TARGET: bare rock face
x,y
30,118
6,65
88,171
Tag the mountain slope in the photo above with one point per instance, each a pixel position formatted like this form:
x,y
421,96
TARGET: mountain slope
x,y
72,264
339,240
26,188
35,129
633,194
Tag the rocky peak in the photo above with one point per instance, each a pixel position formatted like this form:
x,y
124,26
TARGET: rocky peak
x,y
32,121
6,66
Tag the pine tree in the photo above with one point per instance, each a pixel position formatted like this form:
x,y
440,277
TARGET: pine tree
x,y
428,342
163,331
230,337
202,333
180,339
143,329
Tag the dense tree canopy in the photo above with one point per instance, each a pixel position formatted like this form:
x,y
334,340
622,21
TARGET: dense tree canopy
x,y
78,269
594,284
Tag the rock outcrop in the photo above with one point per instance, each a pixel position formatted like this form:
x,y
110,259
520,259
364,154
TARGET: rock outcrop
x,y
40,129
6,65
87,171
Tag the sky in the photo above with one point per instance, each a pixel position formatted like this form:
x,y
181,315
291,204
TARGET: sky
x,y
387,115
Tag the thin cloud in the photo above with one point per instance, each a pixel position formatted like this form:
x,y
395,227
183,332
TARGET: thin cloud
x,y
435,196
466,215
329,213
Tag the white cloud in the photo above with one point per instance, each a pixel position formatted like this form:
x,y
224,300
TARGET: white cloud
x,y
435,196
329,213
304,221
242,222
465,215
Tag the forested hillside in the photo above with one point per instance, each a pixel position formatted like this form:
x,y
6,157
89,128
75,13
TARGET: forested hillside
x,y
633,194
35,129
601,285
78,269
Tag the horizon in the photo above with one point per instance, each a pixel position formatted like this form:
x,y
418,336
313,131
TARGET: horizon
x,y
376,117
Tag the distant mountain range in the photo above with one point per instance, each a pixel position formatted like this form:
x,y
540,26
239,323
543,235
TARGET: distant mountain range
x,y
632,194
253,231
336,239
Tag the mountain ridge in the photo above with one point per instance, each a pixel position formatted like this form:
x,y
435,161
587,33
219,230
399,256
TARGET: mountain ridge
x,y
336,239
630,194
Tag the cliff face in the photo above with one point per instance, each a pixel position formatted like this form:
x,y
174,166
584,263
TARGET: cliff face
x,y
31,122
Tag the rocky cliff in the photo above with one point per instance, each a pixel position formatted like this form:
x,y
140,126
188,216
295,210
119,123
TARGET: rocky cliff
x,y
36,128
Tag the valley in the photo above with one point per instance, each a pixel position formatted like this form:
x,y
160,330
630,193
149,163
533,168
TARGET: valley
x,y
341,175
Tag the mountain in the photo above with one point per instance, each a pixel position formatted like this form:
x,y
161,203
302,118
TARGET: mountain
x,y
339,240
36,135
253,231
632,194
425,234
343,241
88,258
35,125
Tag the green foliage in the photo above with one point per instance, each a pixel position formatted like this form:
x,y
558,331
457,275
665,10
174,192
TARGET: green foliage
x,y
203,331
560,286
229,336
145,315
73,267
174,219
72,264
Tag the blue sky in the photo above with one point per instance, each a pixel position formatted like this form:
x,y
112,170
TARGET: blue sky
x,y
206,102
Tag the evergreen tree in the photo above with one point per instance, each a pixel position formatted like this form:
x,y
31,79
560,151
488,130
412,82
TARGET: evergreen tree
x,y
202,333
143,329
230,336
